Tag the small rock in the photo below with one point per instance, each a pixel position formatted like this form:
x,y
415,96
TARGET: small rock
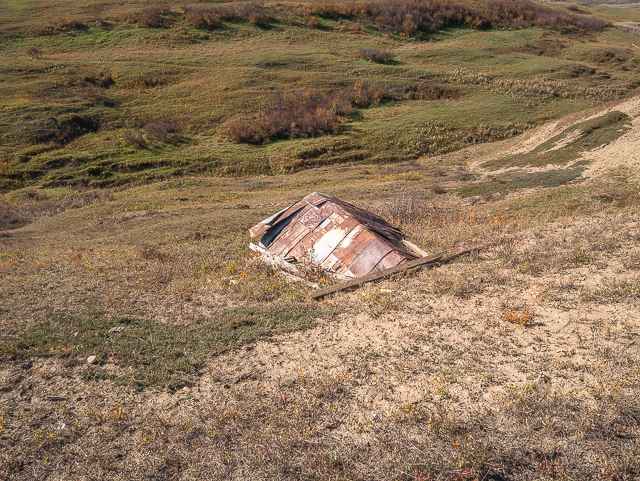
x,y
186,389
91,359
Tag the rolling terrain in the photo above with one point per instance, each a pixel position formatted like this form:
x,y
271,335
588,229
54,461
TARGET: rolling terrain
x,y
520,361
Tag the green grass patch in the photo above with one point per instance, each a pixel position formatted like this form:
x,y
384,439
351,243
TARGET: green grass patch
x,y
570,144
514,180
157,354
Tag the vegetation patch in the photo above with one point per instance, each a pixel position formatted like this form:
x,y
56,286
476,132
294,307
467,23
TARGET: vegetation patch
x,y
408,18
158,354
61,130
75,113
517,179
415,18
376,55
571,143
310,113
66,25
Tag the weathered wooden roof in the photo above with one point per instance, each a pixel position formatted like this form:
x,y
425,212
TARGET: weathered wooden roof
x,y
334,235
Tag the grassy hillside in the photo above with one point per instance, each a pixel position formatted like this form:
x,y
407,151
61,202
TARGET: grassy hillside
x,y
111,95
516,363
139,142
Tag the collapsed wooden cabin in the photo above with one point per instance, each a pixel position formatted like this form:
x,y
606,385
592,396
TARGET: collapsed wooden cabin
x,y
333,235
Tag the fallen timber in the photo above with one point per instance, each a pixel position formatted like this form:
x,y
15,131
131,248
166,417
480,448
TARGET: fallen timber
x,y
422,263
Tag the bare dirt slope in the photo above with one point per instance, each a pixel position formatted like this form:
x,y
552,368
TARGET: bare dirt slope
x,y
622,153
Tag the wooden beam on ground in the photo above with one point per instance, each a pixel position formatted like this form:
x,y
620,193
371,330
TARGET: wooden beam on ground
x,y
287,270
374,276
423,263
414,248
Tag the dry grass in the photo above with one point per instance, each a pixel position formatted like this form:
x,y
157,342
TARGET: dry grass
x,y
287,432
425,377
519,361
629,27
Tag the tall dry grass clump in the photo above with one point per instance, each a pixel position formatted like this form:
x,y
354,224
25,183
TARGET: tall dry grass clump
x,y
629,27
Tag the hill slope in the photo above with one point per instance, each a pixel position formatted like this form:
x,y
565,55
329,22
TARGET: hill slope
x,y
514,363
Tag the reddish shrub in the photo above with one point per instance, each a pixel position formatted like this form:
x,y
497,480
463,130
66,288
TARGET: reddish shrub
x,y
163,131
153,17
414,17
411,18
257,15
211,17
300,114
309,113
431,91
376,55
35,52
312,21
204,18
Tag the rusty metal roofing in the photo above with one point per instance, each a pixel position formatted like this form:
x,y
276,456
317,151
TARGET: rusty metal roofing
x,y
335,235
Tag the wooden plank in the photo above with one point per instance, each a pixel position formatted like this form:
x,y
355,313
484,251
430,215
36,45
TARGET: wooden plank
x,y
414,248
286,269
294,273
392,259
374,276
370,257
424,262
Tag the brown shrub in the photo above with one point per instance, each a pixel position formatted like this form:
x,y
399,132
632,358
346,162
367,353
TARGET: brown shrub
x,y
204,18
376,55
409,18
258,16
412,207
103,79
524,318
413,18
309,113
35,52
62,131
432,91
212,17
134,138
153,17
163,131
437,189
313,21
152,252
65,25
